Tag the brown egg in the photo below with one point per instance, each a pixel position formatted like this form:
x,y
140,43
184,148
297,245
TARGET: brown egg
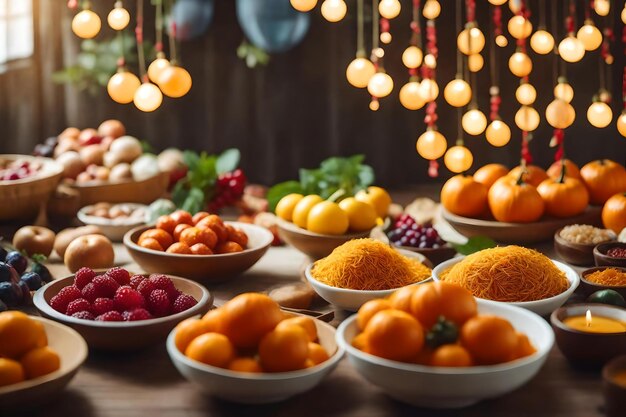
x,y
70,132
92,154
112,127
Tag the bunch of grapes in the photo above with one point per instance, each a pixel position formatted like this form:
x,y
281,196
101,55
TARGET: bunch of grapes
x,y
228,189
406,232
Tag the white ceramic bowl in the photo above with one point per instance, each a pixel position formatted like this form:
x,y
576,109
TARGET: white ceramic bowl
x,y
114,229
72,350
542,307
440,387
257,388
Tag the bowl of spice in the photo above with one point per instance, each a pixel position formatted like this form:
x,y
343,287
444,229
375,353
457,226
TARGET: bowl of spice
x,y
610,254
574,244
603,278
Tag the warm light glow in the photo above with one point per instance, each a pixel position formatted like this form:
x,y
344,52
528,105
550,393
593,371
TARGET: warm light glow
x,y
429,89
526,94
590,36
498,2
385,37
623,14
156,67
359,72
412,57
174,81
374,105
431,145
520,64
498,133
560,114
527,118
389,9
380,85
410,96
122,87
520,27
475,62
474,122
542,42
599,114
588,318
457,93
379,52
571,49
470,41
148,97
86,24
621,124
303,5
334,10
431,9
502,41
602,7
458,159
564,91
430,61
119,17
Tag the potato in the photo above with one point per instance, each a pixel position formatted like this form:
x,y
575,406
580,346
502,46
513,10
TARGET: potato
x,y
65,237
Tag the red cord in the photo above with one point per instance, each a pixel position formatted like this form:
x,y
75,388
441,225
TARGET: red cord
x,y
433,168
526,156
559,137
470,9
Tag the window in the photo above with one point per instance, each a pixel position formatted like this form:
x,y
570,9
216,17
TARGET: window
x,y
16,30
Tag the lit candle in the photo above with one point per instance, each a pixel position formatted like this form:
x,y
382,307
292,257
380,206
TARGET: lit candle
x,y
597,324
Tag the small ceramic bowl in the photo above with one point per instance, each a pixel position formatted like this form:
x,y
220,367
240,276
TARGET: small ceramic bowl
x,y
261,388
120,336
602,259
588,287
573,253
72,351
114,229
435,256
614,391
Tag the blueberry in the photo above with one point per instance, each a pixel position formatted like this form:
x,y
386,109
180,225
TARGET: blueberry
x,y
3,307
10,293
42,271
24,293
3,254
17,261
7,273
33,280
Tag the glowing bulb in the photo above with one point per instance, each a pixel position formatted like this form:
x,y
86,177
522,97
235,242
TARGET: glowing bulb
x,y
560,114
475,62
520,27
174,81
122,87
119,17
412,57
498,133
410,96
526,94
564,91
431,9
623,15
431,145
303,5
501,41
602,7
520,64
498,2
457,93
156,67
621,124
527,118
458,159
429,90
474,122
599,114
542,42
380,85
86,24
515,6
359,72
379,52
385,37
389,8
374,105
470,41
148,97
334,10
590,36
430,61
571,49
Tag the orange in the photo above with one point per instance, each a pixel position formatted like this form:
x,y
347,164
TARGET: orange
x,y
182,217
19,334
216,224
166,223
189,329
308,363
489,339
180,248
394,334
307,323
370,308
214,320
11,372
401,299
360,342
208,237
199,216
201,249
212,349
439,298
190,236
245,365
248,317
524,347
451,355
283,350
237,235
40,361
179,229
164,238
228,247
317,353
151,243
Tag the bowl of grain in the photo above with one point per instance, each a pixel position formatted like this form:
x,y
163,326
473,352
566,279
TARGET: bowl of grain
x,y
574,244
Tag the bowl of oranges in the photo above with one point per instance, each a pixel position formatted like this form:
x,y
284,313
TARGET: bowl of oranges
x,y
38,358
435,346
249,351
202,247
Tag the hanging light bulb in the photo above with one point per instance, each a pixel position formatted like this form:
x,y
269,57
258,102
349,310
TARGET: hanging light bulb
x,y
385,37
621,124
430,61
563,91
498,133
474,122
431,145
410,96
520,64
498,2
412,57
359,72
86,24
542,42
174,81
457,93
380,85
590,36
520,27
458,159
119,17
148,97
389,9
526,94
599,114
527,118
156,67
560,114
501,41
303,5
571,49
431,9
374,105
470,41
122,86
623,16
475,62
429,90
334,10
602,7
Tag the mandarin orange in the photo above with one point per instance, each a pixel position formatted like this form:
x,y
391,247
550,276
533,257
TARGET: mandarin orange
x,y
489,339
307,323
248,317
283,350
451,355
212,349
394,334
370,308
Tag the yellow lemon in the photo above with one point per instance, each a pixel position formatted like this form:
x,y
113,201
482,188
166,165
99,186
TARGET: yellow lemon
x,y
362,216
302,208
327,218
377,197
284,208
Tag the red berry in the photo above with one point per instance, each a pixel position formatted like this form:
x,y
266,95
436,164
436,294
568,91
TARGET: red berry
x,y
163,282
83,277
120,275
129,299
146,287
110,316
105,286
183,302
85,315
104,305
135,280
67,294
159,303
89,292
78,305
137,314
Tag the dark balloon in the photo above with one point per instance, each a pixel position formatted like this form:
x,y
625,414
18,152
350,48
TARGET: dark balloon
x,y
191,17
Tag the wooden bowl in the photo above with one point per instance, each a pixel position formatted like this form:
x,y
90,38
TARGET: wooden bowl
x,y
123,335
312,244
588,287
540,231
602,259
72,350
204,268
435,256
22,199
573,253
614,393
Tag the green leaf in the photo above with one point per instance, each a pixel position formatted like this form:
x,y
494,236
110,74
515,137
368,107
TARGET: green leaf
x,y
228,161
194,201
280,190
365,176
191,159
475,244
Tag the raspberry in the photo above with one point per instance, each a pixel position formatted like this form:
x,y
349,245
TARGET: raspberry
x,y
120,275
104,305
110,316
129,299
163,282
85,315
78,305
137,314
183,302
159,303
105,286
89,292
135,280
146,287
67,294
83,277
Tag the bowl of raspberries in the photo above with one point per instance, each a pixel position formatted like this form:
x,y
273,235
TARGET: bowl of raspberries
x,y
115,309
